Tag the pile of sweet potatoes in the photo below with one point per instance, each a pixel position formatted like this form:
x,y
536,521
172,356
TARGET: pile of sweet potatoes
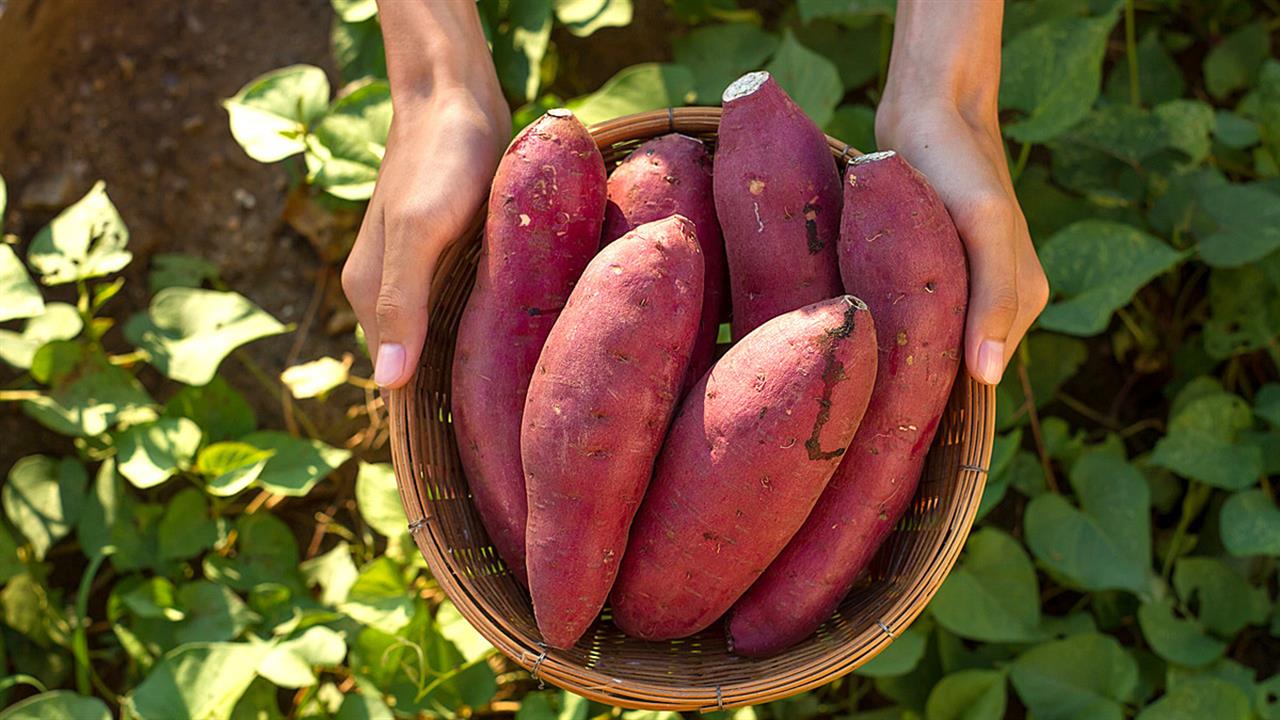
x,y
617,455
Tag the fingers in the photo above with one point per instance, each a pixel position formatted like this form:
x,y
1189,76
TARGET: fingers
x,y
989,225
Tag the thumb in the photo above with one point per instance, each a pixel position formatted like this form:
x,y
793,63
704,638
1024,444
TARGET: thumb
x,y
402,305
993,292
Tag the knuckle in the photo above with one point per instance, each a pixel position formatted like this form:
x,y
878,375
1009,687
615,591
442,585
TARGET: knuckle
x,y
1002,301
354,282
1038,291
393,307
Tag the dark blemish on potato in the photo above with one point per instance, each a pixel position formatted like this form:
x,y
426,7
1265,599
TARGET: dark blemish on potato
x,y
533,311
711,394
811,229
930,286
832,374
763,410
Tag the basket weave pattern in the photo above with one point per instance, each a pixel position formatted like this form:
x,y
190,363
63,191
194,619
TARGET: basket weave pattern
x,y
696,673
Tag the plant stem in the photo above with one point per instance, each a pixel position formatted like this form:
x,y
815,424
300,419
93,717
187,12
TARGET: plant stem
x,y
131,358
18,395
1021,163
1192,503
1131,49
1034,417
80,639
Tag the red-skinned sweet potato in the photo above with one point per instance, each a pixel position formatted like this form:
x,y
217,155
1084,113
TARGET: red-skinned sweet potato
x,y
900,252
546,208
777,193
598,406
671,175
751,448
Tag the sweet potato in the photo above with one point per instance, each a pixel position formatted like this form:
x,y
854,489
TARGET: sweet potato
x,y
777,193
665,176
598,407
751,448
900,252
546,208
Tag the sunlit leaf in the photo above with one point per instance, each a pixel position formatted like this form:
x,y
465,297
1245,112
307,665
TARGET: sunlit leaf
x,y
270,115
188,331
584,17
647,86
315,378
86,240
379,597
379,499
221,412
153,452
57,705
113,521
355,10
202,680
54,321
290,663
178,270
19,296
358,49
231,466
296,464
333,571
42,498
265,552
519,46
349,142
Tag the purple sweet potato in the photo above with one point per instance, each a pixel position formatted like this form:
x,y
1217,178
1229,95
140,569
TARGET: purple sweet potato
x,y
546,209
777,193
900,252
598,406
751,448
666,176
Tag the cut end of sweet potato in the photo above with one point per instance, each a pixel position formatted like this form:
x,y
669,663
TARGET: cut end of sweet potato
x,y
560,113
872,157
855,302
745,85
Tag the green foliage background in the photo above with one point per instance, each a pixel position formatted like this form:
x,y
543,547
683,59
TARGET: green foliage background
x,y
1124,562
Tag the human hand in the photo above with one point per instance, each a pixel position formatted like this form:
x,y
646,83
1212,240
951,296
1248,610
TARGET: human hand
x,y
446,138
940,112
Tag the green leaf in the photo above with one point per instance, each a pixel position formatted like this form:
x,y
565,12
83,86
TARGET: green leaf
x,y
519,47
379,597
113,521
1106,544
43,497
188,331
1135,135
855,125
315,378
1160,78
1245,305
270,116
583,17
350,141
992,595
259,702
334,572
187,529
231,466
363,705
55,321
19,296
10,563
355,10
1235,131
358,49
290,663
155,598
1248,219
647,86
810,79
296,464
1233,64
718,54
1225,601
213,613
1175,639
202,680
853,47
1250,524
1200,699
153,452
86,240
179,270
1203,442
455,628
1095,267
901,656
88,400
59,704
220,411
1052,72
968,695
379,499
266,552
1083,676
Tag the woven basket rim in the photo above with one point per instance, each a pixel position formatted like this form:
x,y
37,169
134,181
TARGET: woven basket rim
x,y
405,405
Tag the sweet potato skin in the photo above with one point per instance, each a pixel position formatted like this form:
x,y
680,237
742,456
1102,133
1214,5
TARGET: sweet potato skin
x,y
670,175
598,406
777,194
751,448
900,252
546,208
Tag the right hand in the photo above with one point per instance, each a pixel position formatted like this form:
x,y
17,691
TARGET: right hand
x,y
442,151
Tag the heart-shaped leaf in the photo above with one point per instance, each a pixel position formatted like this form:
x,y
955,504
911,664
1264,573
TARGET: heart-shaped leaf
x,y
188,331
355,10
809,78
1095,267
231,466
1233,63
1250,524
358,49
1198,700
86,240
992,595
1083,676
968,695
1178,640
269,116
1106,543
334,572
43,498
54,321
719,54
349,142
200,680
1245,308
113,521
266,553
519,46
290,663
153,452
1051,360
378,598
1225,600
1203,442
901,656
379,499
19,296
88,399
647,86
296,465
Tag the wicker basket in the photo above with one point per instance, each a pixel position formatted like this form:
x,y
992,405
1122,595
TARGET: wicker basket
x,y
697,673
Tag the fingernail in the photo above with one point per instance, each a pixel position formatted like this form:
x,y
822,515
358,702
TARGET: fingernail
x,y
390,364
991,361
